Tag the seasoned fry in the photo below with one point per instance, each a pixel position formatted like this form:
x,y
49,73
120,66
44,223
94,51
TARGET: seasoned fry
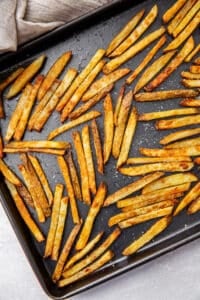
x,y
177,122
128,28
152,232
146,60
127,138
164,95
89,160
118,104
147,160
40,150
194,52
104,81
114,63
92,214
194,206
65,83
54,71
82,167
65,253
82,119
171,12
97,146
39,144
179,135
191,83
172,66
108,128
8,174
65,172
25,77
188,151
54,220
23,211
190,75
167,113
137,33
197,61
131,188
195,69
153,70
10,78
25,195
184,143
189,197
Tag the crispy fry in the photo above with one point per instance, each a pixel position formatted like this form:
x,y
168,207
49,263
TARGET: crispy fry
x,y
190,75
194,52
8,174
1,145
25,195
137,33
118,104
133,50
188,151
89,160
128,28
25,77
197,61
152,232
97,146
54,71
108,128
171,12
92,214
23,211
191,83
172,66
195,69
131,188
127,138
147,160
10,78
39,144
82,119
164,95
179,135
167,113
40,150
194,206
177,122
184,143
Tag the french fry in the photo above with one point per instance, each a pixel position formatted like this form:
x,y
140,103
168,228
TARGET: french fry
x,y
92,214
118,104
131,188
106,257
10,78
82,167
25,195
177,122
121,124
195,69
97,146
103,82
79,79
90,103
187,151
197,61
82,119
194,206
152,232
189,197
137,32
146,60
1,146
39,144
25,77
108,128
74,100
9,174
65,253
194,52
128,28
171,12
184,143
167,113
65,83
89,160
172,66
54,220
114,63
179,135
153,70
189,75
197,160
23,211
59,228
53,73
127,138
40,150
147,160
191,83
164,95
65,172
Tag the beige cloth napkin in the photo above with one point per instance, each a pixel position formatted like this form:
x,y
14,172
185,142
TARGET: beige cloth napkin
x,y
23,20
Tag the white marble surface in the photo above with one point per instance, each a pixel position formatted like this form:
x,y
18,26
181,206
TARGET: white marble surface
x,y
173,276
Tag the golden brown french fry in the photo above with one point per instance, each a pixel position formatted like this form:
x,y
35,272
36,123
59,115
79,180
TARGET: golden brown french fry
x,y
108,127
82,119
178,135
189,197
25,195
189,75
177,122
164,95
194,52
104,81
89,160
1,145
8,173
97,146
171,12
184,143
10,78
131,188
137,32
92,214
65,172
118,104
121,124
114,63
128,28
147,160
153,70
40,150
127,138
194,206
167,113
54,71
25,77
197,61
188,151
106,257
79,79
146,237
146,60
60,228
65,253
172,66
82,167
65,83
60,145
195,69
191,83
23,211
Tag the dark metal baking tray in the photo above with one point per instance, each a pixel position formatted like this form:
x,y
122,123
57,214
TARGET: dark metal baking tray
x,y
84,36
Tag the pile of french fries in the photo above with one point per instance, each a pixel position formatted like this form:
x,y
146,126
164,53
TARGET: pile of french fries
x,y
167,183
